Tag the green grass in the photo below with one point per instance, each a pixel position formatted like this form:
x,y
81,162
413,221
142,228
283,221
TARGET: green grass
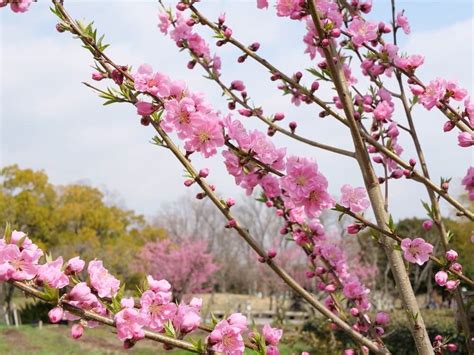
x,y
55,339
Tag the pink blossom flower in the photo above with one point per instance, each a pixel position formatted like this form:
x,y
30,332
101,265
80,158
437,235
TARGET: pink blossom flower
x,y
51,274
82,297
416,251
198,45
402,22
18,265
382,318
469,108
75,265
383,111
165,22
270,186
103,282
272,350
468,182
305,186
441,278
77,330
18,6
465,139
409,63
453,90
237,85
262,4
145,108
452,284
206,135
272,335
129,323
289,8
55,315
187,317
178,116
153,83
392,130
158,285
354,198
434,92
238,320
227,338
362,31
181,31
157,309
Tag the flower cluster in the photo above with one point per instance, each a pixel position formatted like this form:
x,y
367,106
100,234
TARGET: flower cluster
x,y
443,278
186,113
102,295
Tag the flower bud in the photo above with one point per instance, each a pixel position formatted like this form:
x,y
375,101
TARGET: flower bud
x,y
335,32
77,330
254,46
412,162
441,277
427,225
314,86
232,223
269,203
448,126
221,19
181,6
279,116
97,76
188,182
451,347
271,253
451,255
293,126
242,58
397,174
309,274
204,173
456,267
227,32
230,202
56,315
354,312
354,228
320,270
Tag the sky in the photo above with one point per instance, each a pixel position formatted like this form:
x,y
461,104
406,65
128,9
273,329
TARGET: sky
x,y
50,121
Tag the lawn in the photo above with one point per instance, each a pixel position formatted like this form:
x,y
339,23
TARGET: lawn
x,y
55,339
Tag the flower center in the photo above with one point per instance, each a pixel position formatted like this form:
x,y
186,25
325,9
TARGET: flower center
x,y
203,137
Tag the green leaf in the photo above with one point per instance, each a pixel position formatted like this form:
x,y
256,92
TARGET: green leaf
x,y
199,345
8,233
391,225
50,294
169,329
